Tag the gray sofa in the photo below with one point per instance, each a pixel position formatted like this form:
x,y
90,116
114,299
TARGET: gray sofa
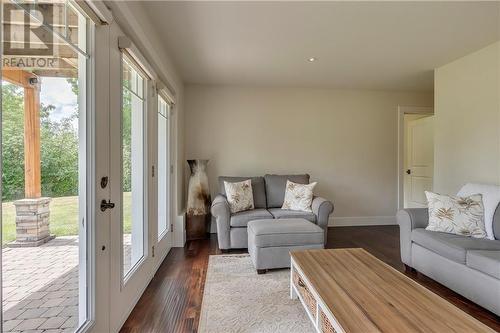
x,y
268,196
469,266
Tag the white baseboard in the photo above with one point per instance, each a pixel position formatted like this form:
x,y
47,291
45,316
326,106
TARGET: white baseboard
x,y
361,221
179,234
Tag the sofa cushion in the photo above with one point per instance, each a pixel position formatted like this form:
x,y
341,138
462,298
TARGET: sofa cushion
x,y
239,196
275,187
298,196
241,219
258,188
279,213
487,262
284,232
491,200
453,247
456,215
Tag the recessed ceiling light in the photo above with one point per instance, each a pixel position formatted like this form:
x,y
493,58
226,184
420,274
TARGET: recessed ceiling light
x,y
312,59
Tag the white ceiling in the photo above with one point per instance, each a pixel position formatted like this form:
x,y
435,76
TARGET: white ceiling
x,y
384,45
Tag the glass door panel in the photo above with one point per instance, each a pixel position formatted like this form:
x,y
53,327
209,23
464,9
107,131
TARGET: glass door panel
x,y
46,284
133,157
163,168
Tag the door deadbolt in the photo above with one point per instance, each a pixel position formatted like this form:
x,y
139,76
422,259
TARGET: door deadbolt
x,y
106,205
104,182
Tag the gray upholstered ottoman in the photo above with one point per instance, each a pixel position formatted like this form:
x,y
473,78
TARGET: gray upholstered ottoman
x,y
271,240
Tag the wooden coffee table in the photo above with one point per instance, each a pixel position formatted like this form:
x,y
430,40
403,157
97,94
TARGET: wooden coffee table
x,y
349,290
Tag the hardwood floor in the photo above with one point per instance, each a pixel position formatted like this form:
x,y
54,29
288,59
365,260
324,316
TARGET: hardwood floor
x,y
172,301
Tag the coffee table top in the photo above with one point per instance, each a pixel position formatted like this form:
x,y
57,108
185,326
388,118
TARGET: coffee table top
x,y
366,295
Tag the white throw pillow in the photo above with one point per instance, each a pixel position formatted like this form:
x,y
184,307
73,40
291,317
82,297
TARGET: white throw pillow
x,y
456,215
239,195
491,199
298,196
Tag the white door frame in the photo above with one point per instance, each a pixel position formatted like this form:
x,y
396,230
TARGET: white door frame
x,y
101,245
402,110
165,243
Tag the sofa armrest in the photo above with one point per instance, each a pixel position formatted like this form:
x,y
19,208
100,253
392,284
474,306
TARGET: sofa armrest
x,y
220,210
322,208
409,219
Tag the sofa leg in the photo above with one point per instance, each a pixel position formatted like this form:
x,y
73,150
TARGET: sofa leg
x,y
409,269
224,251
261,271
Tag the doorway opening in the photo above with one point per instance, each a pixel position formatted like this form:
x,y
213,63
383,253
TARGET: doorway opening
x,y
416,155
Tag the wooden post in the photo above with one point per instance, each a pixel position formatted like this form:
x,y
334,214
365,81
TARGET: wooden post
x,y
32,166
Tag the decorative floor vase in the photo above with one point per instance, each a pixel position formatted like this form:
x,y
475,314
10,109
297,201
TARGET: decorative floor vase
x,y
198,216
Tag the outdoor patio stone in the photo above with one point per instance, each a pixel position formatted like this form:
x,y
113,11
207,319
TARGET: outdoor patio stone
x,y
52,302
52,312
37,281
12,314
27,304
57,330
30,324
69,311
42,280
53,322
55,294
9,325
32,313
70,301
36,295
70,322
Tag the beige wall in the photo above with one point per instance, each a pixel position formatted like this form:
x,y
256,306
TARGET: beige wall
x,y
346,140
467,121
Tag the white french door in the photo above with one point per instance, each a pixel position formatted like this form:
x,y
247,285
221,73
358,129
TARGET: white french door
x,y
139,176
129,163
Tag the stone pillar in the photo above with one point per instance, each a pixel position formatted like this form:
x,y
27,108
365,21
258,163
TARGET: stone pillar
x,y
32,222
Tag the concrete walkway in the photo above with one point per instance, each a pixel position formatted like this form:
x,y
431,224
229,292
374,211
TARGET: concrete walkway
x,y
40,287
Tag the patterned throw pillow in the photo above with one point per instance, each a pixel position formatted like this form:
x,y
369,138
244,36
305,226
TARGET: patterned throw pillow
x,y
298,196
239,195
456,215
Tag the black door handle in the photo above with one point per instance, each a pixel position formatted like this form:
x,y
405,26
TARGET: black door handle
x,y
408,171
106,205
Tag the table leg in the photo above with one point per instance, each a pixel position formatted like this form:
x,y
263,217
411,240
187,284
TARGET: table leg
x,y
293,293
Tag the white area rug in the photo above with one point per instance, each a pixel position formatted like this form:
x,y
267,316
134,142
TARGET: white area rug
x,y
236,299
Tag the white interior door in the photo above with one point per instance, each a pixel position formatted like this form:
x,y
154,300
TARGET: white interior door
x,y
419,161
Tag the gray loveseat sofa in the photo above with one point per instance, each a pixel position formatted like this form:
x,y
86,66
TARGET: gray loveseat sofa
x,y
469,266
268,197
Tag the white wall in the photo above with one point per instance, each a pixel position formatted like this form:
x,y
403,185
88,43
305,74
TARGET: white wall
x,y
345,139
467,121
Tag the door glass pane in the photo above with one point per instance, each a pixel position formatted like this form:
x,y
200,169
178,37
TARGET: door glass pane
x,y
163,167
45,284
133,157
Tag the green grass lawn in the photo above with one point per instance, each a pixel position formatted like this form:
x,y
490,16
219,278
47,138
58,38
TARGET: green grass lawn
x,y
63,217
